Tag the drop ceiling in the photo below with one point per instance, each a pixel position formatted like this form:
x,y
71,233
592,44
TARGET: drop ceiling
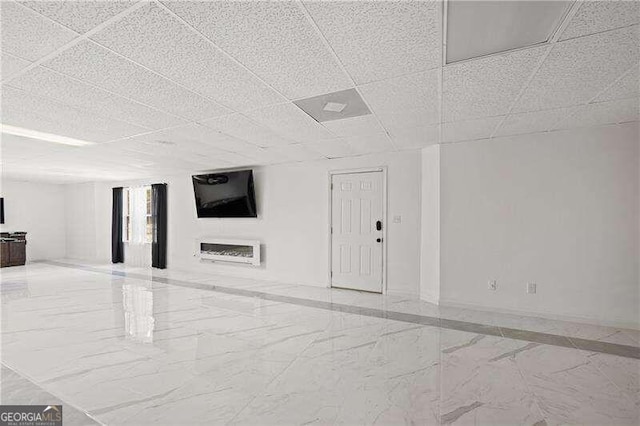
x,y
218,81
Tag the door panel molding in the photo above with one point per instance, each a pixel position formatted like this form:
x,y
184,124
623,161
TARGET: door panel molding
x,y
331,226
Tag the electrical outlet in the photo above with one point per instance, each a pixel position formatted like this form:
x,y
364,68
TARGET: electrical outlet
x,y
397,219
493,285
531,288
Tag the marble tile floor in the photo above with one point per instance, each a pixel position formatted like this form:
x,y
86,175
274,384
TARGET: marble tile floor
x,y
122,345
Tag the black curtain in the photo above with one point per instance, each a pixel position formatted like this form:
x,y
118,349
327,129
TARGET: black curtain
x,y
159,218
117,245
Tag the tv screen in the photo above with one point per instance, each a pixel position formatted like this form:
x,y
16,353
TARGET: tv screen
x,y
226,194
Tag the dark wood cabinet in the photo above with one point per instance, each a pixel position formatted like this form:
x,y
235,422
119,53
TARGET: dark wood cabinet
x,y
13,249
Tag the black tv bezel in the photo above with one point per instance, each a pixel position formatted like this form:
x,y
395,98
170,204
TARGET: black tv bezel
x,y
202,213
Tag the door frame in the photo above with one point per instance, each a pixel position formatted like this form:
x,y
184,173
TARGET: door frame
x,y
331,173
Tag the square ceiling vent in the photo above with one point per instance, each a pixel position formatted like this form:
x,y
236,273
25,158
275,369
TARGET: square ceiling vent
x,y
480,28
334,106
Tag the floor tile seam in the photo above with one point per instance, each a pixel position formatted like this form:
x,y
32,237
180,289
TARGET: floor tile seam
x,y
29,379
358,310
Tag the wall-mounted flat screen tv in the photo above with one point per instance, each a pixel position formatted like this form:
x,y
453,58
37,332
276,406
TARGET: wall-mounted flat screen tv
x,y
225,194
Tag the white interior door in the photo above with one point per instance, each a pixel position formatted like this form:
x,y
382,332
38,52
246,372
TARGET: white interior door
x,y
357,231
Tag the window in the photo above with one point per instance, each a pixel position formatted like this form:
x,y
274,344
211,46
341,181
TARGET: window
x,y
137,219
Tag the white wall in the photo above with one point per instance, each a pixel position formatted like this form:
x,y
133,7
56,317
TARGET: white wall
x,y
559,209
39,210
293,203
430,247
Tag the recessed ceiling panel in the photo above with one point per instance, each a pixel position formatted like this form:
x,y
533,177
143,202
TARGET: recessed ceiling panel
x,y
334,106
480,28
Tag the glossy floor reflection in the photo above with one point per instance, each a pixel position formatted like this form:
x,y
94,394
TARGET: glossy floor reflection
x,y
130,350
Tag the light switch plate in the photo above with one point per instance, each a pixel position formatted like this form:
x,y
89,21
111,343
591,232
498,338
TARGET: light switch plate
x,y
397,219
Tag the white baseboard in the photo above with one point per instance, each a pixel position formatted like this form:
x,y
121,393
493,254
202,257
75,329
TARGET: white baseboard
x,y
618,323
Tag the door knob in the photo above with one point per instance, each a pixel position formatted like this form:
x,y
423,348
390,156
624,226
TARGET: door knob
x,y
379,240
378,225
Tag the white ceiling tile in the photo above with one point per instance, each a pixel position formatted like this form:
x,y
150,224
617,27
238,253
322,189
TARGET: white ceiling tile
x,y
355,126
13,148
273,39
409,92
597,16
296,152
11,65
487,86
48,83
395,122
154,38
379,40
241,127
80,16
25,110
627,87
619,111
576,70
192,138
29,35
530,122
469,129
102,68
291,122
415,137
361,145
332,148
149,156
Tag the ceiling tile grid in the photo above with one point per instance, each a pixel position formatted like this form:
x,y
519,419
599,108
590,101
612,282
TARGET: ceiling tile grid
x,y
152,37
332,148
80,16
273,39
161,86
241,127
409,92
379,40
531,122
296,152
28,35
11,64
480,128
407,106
487,86
620,111
364,125
597,16
25,110
102,68
627,87
576,70
361,145
415,137
74,93
291,122
194,138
